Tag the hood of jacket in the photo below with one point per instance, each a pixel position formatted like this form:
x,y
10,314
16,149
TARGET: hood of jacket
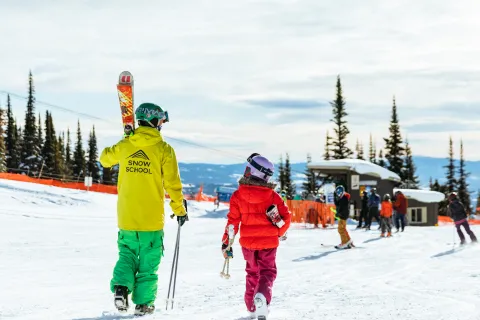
x,y
254,191
145,136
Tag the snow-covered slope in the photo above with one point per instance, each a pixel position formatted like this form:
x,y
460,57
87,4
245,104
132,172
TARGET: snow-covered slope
x,y
58,248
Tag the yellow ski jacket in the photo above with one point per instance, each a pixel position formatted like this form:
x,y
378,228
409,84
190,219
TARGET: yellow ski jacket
x,y
147,166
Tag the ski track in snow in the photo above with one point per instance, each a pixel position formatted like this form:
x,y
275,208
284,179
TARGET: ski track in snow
x,y
58,248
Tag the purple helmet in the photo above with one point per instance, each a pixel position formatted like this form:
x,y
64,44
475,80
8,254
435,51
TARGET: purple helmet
x,y
259,167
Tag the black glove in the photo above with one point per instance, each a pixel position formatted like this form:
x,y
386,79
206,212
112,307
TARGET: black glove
x,y
227,253
182,219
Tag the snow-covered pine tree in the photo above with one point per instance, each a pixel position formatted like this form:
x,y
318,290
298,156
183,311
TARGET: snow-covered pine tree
x,y
30,149
3,150
451,184
92,167
327,155
12,149
409,170
393,144
289,184
79,162
463,193
340,140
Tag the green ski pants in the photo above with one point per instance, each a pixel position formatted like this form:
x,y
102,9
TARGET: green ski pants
x,y
139,258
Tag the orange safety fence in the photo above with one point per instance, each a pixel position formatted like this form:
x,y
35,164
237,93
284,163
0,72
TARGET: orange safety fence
x,y
311,212
448,220
57,183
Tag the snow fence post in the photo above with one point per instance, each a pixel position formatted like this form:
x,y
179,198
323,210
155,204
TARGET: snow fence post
x,y
88,182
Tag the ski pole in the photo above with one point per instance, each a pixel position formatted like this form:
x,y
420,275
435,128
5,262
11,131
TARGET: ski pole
x,y
173,272
174,264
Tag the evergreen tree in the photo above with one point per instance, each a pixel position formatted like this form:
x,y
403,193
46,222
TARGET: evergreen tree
x,y
372,153
430,183
30,147
310,185
49,147
79,156
59,156
92,166
68,170
436,186
327,155
19,146
451,184
12,155
393,144
381,159
289,184
340,147
409,172
463,193
3,150
359,151
40,134
281,174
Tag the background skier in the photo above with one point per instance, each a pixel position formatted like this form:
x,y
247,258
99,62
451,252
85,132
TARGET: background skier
x,y
342,201
386,216
148,165
458,213
400,205
364,210
264,218
373,205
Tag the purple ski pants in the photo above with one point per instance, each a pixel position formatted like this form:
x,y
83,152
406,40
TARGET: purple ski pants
x,y
261,273
466,226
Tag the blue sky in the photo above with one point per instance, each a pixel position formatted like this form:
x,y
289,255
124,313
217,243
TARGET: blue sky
x,y
253,76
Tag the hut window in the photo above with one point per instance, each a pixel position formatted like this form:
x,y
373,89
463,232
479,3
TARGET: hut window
x,y
418,215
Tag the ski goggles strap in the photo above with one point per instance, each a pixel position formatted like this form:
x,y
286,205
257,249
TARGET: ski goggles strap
x,y
263,170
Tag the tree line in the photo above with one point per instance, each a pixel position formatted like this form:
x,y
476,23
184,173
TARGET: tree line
x,y
397,156
37,150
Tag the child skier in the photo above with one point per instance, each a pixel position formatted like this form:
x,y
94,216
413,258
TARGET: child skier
x,y
264,218
386,216
459,215
342,200
147,166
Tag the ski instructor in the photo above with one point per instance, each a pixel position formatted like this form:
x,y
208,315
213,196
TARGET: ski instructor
x,y
148,167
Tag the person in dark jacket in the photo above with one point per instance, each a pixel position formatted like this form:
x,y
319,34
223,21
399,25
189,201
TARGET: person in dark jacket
x,y
342,201
364,210
373,205
400,206
457,212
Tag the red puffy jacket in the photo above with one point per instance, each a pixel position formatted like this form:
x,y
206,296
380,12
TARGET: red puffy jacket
x,y
248,206
401,204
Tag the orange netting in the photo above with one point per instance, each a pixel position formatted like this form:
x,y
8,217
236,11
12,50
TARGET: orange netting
x,y
56,183
311,212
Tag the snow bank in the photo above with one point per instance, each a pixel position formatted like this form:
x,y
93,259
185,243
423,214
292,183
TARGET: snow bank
x,y
426,196
359,166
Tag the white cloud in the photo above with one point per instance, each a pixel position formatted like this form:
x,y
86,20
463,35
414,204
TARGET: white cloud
x,y
203,59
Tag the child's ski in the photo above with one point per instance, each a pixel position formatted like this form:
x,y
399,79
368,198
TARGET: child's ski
x,y
125,97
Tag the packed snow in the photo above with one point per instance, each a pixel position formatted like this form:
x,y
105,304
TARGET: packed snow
x,y
357,165
425,196
58,248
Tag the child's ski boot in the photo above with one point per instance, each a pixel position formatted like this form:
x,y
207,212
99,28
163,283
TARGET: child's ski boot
x,y
143,309
121,298
261,306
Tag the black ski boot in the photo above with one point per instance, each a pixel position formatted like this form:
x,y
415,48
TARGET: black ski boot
x,y
143,309
121,298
